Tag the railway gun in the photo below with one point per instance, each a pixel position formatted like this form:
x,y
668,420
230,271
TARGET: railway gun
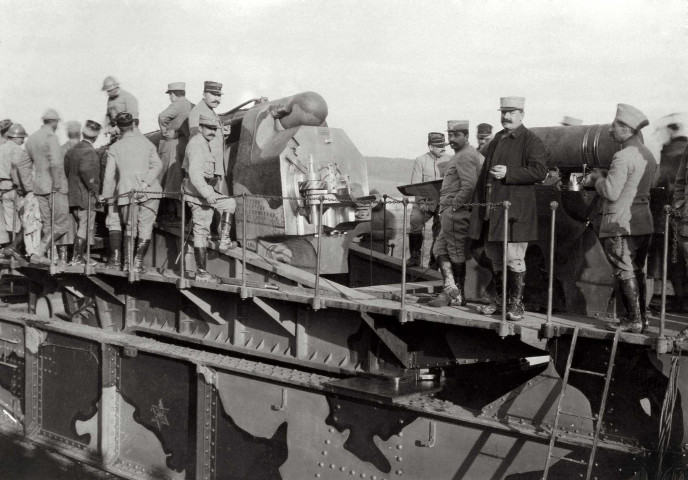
x,y
316,357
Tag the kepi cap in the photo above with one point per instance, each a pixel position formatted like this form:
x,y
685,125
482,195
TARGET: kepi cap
x,y
73,127
507,104
631,116
436,139
208,121
571,122
456,125
176,86
124,119
92,128
51,114
484,130
212,87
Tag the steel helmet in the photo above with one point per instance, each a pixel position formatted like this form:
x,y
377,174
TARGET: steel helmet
x,y
16,130
109,83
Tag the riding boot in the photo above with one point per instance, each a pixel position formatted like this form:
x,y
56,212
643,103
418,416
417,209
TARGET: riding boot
x,y
40,256
495,305
141,249
516,282
460,278
226,242
125,253
115,258
78,256
632,322
415,249
202,275
449,296
13,248
642,298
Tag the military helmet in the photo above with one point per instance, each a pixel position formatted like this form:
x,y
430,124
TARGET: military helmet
x,y
16,130
109,83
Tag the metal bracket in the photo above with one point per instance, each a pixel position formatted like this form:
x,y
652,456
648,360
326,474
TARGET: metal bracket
x,y
432,436
34,339
208,375
283,406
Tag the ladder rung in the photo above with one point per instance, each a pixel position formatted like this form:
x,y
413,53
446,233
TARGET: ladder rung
x,y
578,416
588,372
572,460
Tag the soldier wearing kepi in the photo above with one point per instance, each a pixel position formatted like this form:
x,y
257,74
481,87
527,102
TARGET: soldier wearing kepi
x,y
43,148
119,101
133,165
15,171
425,169
201,188
626,218
4,127
212,96
174,128
515,162
484,135
457,189
82,167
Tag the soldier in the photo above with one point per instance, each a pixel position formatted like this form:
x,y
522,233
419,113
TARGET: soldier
x,y
484,136
133,164
377,233
174,128
515,162
201,187
425,168
4,127
626,218
73,136
457,189
43,148
571,122
212,95
82,167
119,101
15,171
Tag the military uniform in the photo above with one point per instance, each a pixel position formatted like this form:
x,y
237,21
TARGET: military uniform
x,y
174,128
11,156
123,102
133,164
216,145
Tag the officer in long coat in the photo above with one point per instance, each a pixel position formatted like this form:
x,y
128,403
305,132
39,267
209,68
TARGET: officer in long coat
x,y
174,130
82,167
626,218
133,164
515,161
43,148
202,193
212,96
15,171
457,189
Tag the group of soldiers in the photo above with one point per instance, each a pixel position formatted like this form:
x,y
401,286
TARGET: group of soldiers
x,y
507,168
66,183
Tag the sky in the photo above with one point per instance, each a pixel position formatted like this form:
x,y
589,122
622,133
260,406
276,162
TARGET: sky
x,y
390,71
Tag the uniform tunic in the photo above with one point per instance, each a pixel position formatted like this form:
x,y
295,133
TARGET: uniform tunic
x,y
131,161
425,169
43,148
174,127
216,146
626,219
82,167
123,102
12,173
201,166
458,186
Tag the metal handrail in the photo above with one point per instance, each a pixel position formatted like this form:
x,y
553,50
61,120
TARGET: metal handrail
x,y
550,278
504,326
316,295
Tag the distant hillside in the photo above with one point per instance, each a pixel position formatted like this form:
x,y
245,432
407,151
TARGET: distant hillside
x,y
386,173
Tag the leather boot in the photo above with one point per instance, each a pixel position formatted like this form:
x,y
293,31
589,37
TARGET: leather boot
x,y
125,253
632,322
642,298
460,279
115,257
62,255
516,282
202,275
39,257
13,248
415,249
450,293
495,305
226,242
78,256
141,249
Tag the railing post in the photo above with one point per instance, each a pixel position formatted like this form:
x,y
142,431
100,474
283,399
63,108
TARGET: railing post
x,y
14,214
665,256
384,222
504,326
88,269
182,249
316,297
52,232
243,292
550,280
132,219
402,312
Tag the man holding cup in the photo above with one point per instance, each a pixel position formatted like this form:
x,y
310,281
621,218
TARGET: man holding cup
x,y
515,161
